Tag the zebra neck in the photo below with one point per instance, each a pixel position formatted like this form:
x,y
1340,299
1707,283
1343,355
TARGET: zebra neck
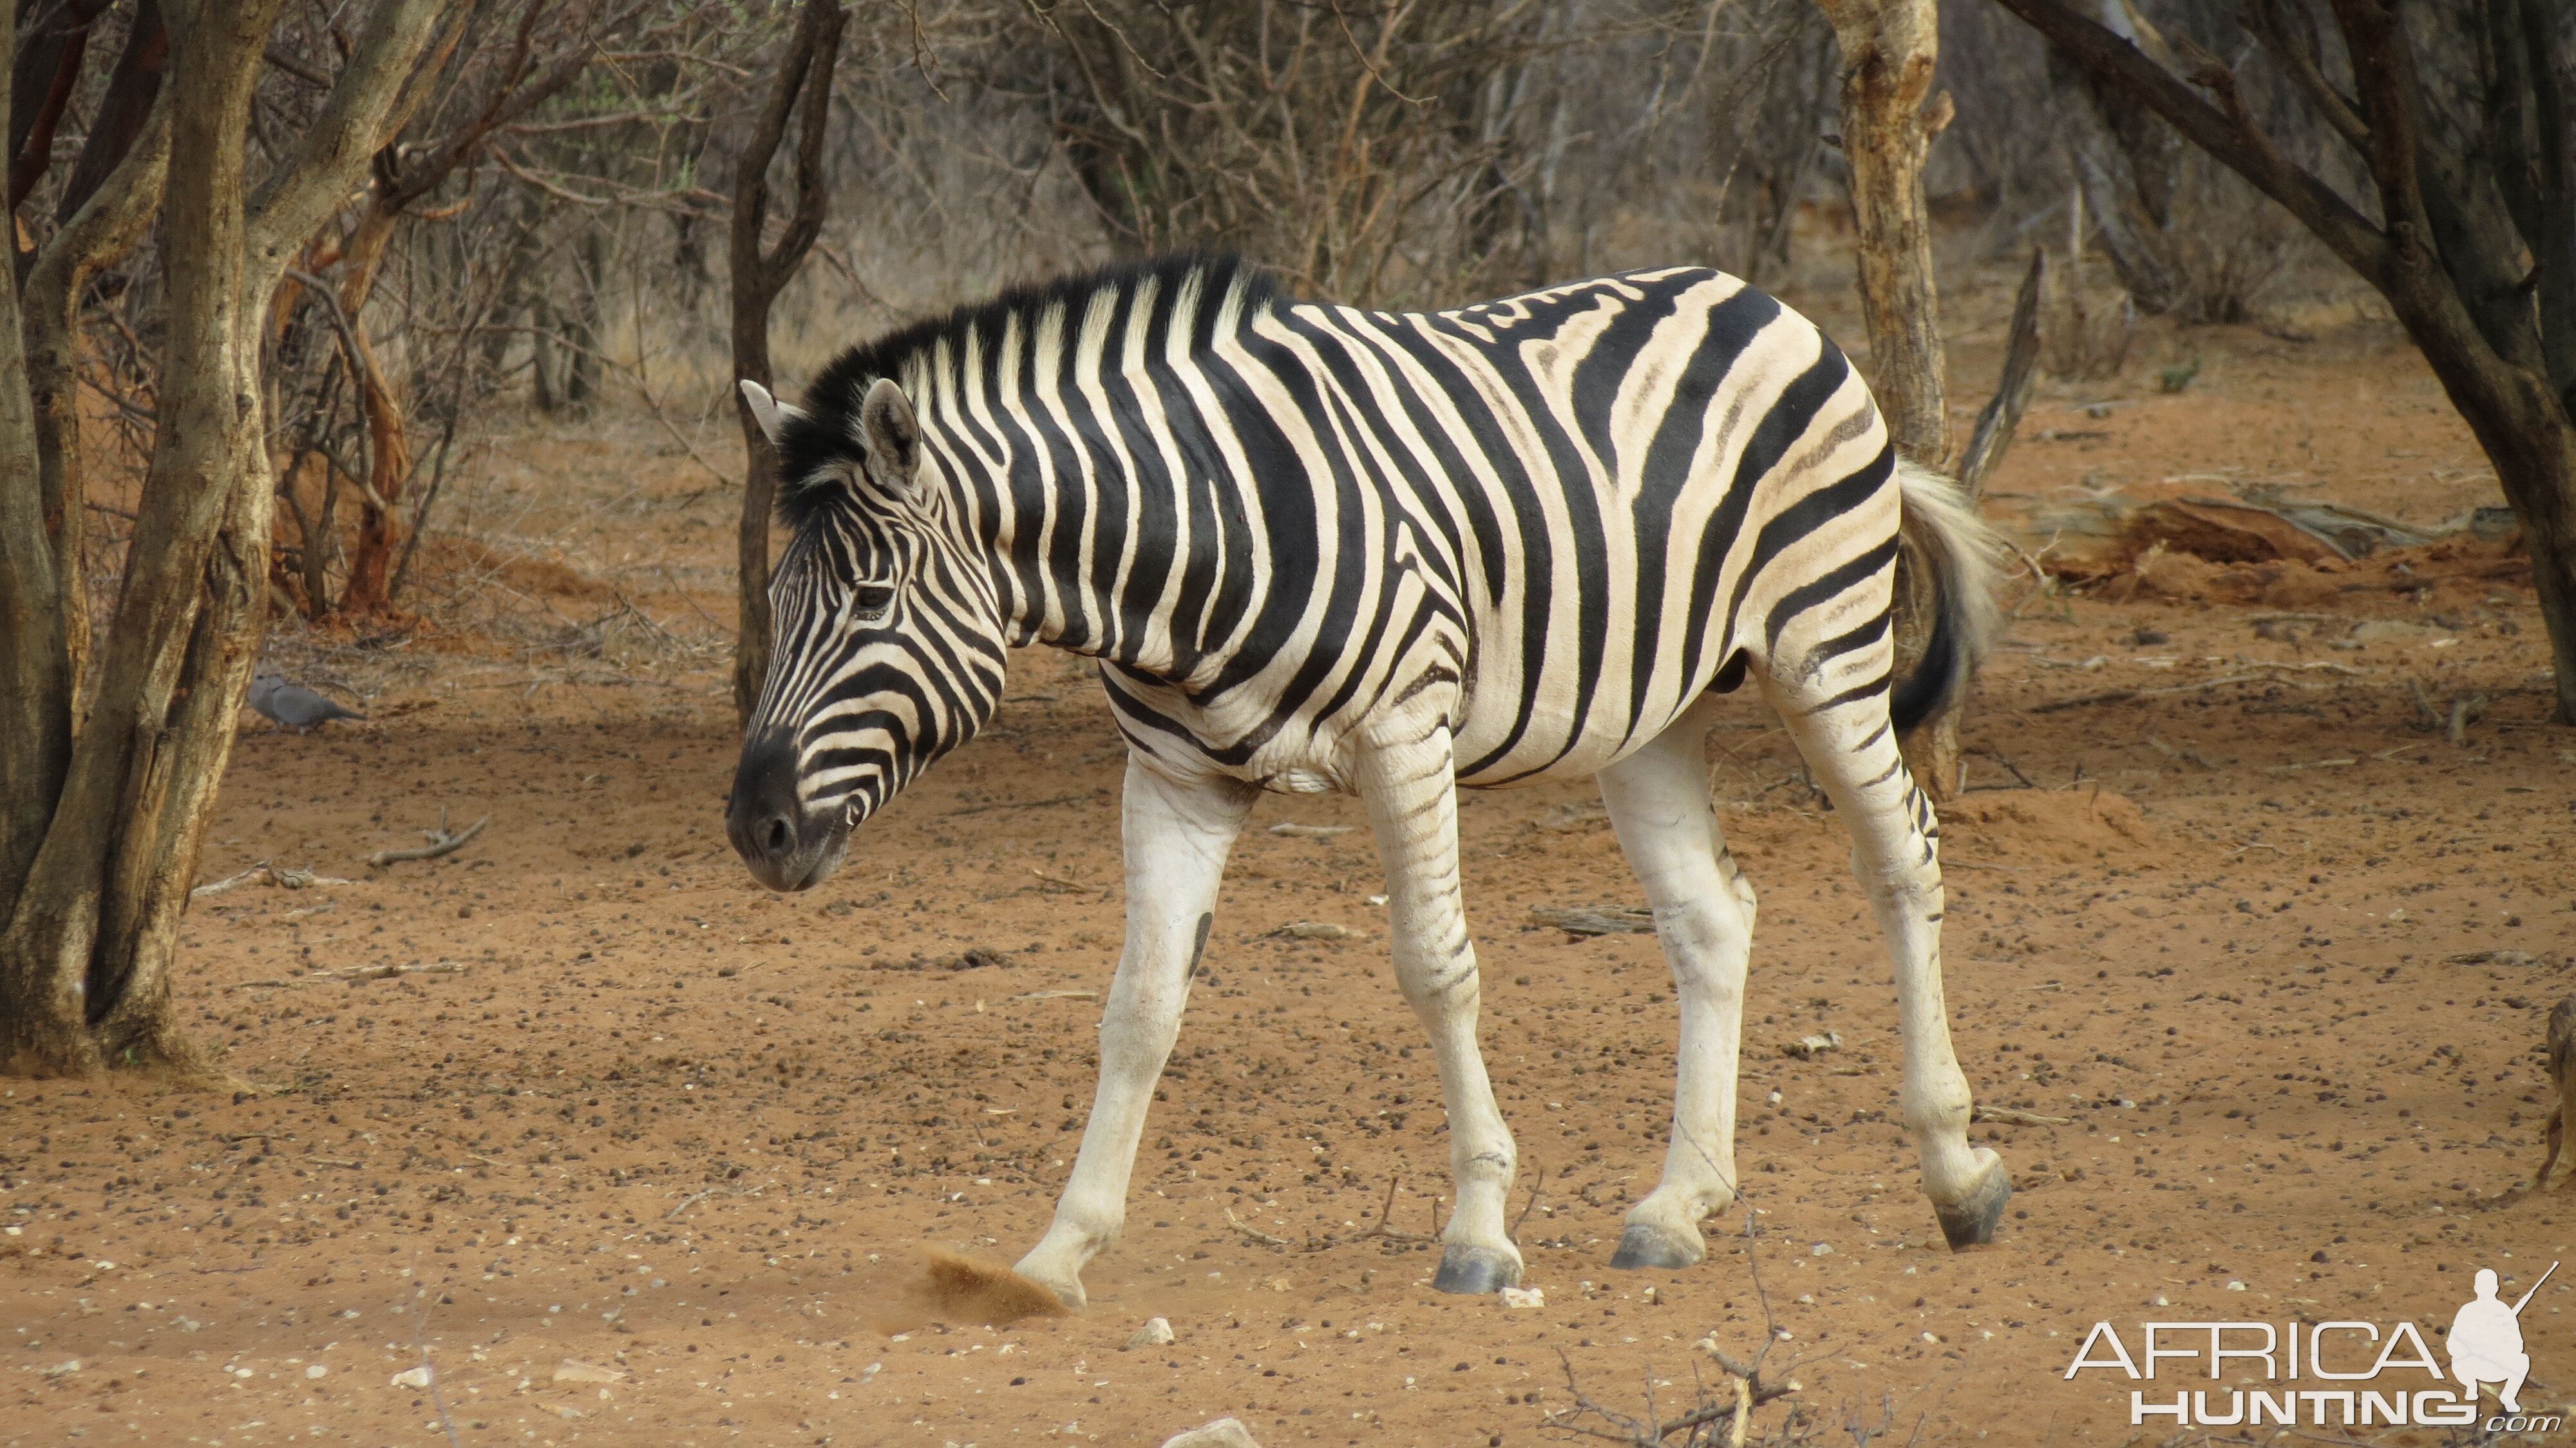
x,y
1090,549
1081,436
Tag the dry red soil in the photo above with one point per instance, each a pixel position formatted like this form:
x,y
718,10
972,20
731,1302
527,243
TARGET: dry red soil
x,y
2276,956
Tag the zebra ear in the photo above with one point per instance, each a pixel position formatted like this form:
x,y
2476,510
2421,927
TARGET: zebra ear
x,y
768,411
889,432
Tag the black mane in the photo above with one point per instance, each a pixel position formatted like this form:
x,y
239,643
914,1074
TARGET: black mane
x,y
829,434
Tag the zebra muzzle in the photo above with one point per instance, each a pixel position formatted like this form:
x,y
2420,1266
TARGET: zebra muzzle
x,y
785,845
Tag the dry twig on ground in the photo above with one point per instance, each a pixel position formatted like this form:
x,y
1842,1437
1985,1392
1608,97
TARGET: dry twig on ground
x,y
1721,1416
441,842
289,878
2009,1117
357,972
420,1344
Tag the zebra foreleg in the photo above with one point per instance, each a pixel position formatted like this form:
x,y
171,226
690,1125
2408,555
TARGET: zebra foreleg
x,y
1853,752
1411,791
1176,839
1659,803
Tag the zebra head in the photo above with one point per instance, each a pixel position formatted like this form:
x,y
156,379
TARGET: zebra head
x,y
886,638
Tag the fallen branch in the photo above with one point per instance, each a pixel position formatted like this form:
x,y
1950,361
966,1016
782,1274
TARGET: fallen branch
x,y
441,842
1254,1233
1603,920
289,878
694,1198
357,972
1312,930
1057,882
2010,1117
217,887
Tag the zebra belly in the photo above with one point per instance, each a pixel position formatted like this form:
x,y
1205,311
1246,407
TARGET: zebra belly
x,y
1495,746
1496,749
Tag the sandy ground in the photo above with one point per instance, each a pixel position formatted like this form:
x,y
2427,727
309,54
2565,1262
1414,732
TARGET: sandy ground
x,y
641,1154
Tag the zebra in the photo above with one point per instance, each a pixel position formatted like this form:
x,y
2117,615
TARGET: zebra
x,y
1316,547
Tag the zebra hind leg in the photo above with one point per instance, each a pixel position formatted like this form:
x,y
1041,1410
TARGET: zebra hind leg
x,y
1659,803
1411,791
1850,743
1176,837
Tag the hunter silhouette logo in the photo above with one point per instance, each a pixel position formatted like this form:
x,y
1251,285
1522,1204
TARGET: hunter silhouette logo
x,y
2486,1341
2364,1374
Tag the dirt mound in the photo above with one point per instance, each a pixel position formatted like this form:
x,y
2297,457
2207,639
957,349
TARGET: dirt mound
x,y
961,1292
2046,826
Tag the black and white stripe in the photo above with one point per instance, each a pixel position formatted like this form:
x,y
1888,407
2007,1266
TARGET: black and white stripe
x,y
1572,513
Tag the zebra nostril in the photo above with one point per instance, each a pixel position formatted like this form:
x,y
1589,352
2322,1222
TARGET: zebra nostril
x,y
778,833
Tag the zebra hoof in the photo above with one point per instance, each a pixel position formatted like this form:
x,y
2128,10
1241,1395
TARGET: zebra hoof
x,y
1066,1289
1971,1220
1643,1248
1475,1271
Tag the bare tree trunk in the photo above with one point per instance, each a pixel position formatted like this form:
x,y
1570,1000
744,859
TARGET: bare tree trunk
x,y
35,682
44,595
1890,118
85,958
759,274
95,867
114,189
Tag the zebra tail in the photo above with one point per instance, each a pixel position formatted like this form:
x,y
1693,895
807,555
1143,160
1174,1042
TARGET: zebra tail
x,y
1959,557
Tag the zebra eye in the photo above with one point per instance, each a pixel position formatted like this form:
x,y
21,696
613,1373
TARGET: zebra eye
x,y
872,600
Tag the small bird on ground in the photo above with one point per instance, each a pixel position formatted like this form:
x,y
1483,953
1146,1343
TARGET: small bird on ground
x,y
291,707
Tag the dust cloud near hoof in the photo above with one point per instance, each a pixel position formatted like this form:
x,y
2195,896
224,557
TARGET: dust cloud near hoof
x,y
960,1292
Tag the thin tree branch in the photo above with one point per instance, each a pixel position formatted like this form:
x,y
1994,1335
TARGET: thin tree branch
x,y
319,173
2351,235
